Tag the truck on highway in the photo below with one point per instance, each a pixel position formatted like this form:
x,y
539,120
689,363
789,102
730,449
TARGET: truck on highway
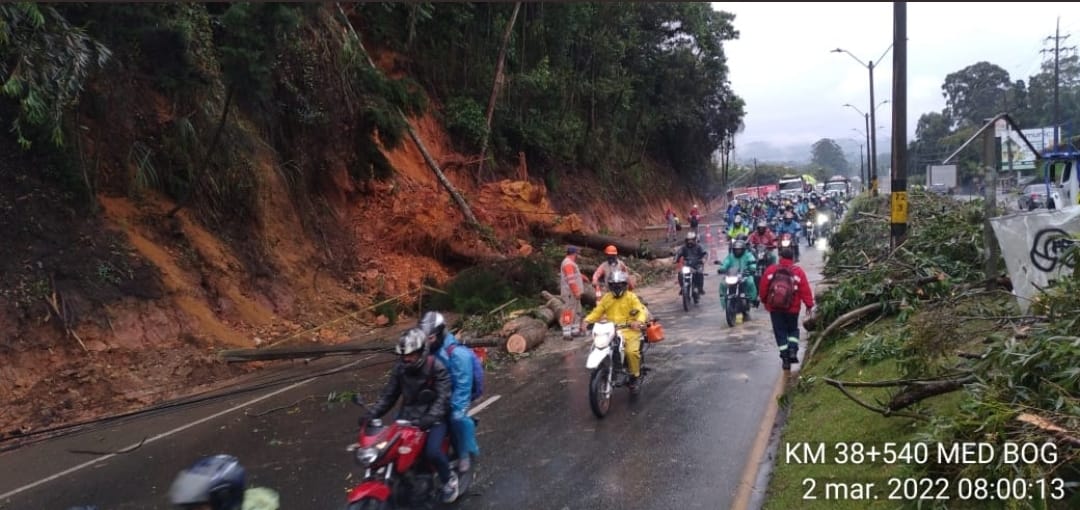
x,y
838,185
792,186
941,177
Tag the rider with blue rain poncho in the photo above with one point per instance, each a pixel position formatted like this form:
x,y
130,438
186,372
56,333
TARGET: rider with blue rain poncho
x,y
458,360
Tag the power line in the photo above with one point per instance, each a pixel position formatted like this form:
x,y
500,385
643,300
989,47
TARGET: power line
x,y
1057,38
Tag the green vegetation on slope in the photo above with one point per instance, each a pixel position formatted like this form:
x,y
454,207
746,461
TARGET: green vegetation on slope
x,y
611,87
945,360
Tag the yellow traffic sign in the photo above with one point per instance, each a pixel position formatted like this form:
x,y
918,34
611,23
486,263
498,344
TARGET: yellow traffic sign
x,y
899,206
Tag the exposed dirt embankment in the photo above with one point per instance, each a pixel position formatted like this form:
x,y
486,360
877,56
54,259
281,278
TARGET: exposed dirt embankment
x,y
109,310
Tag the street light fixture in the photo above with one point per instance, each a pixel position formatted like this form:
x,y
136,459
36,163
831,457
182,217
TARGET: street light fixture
x,y
872,121
869,164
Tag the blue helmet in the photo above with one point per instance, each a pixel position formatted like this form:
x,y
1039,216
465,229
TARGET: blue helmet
x,y
218,480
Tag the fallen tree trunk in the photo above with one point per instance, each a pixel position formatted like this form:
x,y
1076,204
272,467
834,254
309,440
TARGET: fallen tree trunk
x,y
1049,428
318,351
840,322
924,390
626,247
466,211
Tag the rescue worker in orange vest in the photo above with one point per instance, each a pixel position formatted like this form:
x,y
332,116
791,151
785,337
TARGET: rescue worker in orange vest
x,y
602,275
570,287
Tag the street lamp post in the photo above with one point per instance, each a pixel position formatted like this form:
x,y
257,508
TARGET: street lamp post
x,y
862,166
873,121
869,162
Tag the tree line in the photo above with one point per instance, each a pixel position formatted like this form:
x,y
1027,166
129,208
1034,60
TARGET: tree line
x,y
610,88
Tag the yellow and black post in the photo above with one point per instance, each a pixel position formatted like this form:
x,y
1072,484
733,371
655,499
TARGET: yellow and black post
x,y
898,218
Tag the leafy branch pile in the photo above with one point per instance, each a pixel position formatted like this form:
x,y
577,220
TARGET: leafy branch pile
x,y
941,256
1017,376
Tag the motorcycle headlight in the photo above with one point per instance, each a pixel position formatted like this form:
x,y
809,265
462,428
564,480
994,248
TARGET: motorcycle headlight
x,y
731,280
822,219
366,456
686,270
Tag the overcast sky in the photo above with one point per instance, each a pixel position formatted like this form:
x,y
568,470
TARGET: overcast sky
x,y
794,87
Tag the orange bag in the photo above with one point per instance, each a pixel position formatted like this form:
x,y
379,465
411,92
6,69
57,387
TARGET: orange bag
x,y
567,317
654,332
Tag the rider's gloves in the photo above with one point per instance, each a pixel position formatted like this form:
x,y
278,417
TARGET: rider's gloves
x,y
426,422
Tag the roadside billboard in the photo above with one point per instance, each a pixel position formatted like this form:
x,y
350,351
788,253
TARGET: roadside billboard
x,y
1011,143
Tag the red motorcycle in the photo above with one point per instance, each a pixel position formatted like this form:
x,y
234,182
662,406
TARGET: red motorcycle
x,y
396,475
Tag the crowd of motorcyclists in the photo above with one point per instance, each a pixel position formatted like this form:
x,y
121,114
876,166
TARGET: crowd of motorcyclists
x,y
428,361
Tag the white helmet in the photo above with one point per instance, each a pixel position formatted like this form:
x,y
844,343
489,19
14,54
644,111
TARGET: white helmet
x,y
618,283
413,340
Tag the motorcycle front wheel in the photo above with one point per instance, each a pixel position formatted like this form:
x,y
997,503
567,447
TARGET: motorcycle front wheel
x,y
370,504
729,312
600,389
686,297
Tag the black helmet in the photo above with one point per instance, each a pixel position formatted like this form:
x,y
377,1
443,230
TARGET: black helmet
x,y
434,326
618,283
413,340
218,481
738,248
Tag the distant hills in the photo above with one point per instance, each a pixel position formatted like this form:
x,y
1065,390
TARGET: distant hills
x,y
799,154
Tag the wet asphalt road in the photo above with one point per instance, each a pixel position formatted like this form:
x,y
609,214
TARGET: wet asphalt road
x,y
684,443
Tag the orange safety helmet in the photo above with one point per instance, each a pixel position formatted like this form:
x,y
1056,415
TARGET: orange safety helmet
x,y
610,250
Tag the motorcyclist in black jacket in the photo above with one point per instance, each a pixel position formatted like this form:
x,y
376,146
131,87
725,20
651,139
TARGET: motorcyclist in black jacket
x,y
417,370
692,254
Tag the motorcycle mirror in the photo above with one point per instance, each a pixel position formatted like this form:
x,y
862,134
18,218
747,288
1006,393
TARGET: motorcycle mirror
x,y
427,397
717,262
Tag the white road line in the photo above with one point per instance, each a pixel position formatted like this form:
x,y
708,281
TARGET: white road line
x,y
163,435
472,412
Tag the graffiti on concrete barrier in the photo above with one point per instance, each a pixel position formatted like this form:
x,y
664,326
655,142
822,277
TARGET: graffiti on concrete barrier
x,y
1048,248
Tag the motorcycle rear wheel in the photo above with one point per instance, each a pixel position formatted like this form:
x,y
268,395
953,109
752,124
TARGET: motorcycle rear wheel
x,y
600,389
370,504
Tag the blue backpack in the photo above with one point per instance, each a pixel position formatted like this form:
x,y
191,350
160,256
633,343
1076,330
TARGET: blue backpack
x,y
477,371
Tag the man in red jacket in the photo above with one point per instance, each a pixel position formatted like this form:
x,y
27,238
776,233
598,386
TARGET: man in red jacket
x,y
785,288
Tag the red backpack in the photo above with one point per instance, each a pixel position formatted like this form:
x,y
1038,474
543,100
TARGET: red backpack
x,y
782,287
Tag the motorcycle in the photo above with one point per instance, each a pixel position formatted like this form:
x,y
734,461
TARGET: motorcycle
x,y
734,301
396,474
687,277
824,224
808,229
761,256
607,361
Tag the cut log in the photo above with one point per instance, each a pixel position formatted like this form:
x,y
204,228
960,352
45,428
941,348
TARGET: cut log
x,y
547,313
513,325
527,337
626,247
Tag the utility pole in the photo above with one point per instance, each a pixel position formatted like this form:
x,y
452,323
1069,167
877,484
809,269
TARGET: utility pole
x,y
989,154
862,169
898,188
1057,69
869,165
1008,138
873,136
